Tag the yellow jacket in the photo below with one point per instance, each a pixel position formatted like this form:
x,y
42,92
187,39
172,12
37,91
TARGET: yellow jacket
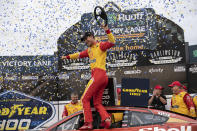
x,y
178,105
71,108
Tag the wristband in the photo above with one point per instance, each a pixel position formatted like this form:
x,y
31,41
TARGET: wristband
x,y
108,31
67,57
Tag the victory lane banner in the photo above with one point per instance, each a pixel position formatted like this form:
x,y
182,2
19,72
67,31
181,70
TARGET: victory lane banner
x,y
135,92
43,64
19,111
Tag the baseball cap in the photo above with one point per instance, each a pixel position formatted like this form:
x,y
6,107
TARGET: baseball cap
x,y
185,87
83,38
175,83
158,87
118,90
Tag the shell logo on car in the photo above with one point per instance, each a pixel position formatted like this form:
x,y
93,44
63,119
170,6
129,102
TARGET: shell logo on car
x,y
182,128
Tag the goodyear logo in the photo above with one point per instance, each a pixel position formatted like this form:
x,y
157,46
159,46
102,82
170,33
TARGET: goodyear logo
x,y
19,111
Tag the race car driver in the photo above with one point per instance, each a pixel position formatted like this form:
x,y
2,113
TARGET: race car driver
x,y
97,53
181,101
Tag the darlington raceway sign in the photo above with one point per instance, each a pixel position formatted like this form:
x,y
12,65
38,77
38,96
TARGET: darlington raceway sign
x,y
22,112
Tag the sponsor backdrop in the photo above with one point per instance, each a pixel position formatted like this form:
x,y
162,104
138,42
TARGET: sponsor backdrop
x,y
147,46
135,92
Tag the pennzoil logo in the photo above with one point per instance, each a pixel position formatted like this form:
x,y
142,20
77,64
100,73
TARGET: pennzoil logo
x,y
19,111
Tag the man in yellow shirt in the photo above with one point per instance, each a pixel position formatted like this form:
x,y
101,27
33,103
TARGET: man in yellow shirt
x,y
74,106
181,101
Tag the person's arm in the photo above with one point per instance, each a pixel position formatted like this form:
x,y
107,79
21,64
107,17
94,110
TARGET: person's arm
x,y
111,40
163,100
150,101
110,36
77,55
65,112
190,105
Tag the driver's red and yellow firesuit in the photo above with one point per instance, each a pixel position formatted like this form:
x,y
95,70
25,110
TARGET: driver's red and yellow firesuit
x,y
95,87
183,103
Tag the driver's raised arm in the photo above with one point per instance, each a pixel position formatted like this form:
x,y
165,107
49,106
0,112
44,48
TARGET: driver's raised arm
x,y
111,40
77,55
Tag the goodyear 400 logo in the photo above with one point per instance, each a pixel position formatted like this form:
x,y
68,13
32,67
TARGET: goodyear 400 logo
x,y
21,112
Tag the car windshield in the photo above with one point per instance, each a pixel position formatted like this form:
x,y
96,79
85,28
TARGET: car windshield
x,y
120,119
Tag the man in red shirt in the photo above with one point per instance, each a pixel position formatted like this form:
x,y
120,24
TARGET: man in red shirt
x,y
97,53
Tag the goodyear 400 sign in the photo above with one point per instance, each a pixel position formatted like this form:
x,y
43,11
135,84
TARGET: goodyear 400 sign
x,y
21,112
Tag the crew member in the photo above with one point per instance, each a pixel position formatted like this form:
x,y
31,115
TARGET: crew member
x,y
157,100
195,103
181,101
74,106
97,53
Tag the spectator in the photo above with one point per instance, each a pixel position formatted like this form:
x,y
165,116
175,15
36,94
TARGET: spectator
x,y
74,106
119,95
157,100
117,117
181,101
195,103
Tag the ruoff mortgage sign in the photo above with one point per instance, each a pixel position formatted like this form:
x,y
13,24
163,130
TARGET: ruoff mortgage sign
x,y
133,30
19,111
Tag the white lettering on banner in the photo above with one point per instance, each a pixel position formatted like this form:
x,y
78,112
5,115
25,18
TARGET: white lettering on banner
x,y
15,124
105,102
193,69
132,72
129,17
106,91
76,64
122,64
29,77
26,63
11,78
106,97
63,77
176,60
152,70
164,114
42,63
122,31
182,128
165,57
179,69
86,76
165,54
75,67
111,73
